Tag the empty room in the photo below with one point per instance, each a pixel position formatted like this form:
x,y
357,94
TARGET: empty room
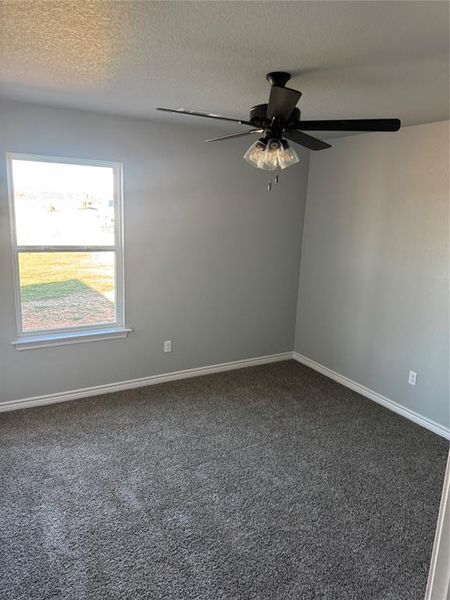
x,y
224,300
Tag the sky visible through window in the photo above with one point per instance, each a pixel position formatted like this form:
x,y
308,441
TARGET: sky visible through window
x,y
65,205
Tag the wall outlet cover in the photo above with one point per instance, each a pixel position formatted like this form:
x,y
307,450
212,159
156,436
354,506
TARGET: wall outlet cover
x,y
412,378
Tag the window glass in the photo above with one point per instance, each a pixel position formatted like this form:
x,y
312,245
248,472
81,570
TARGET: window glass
x,y
67,243
66,289
63,204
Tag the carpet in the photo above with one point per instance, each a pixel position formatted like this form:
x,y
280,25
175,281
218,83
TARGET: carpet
x,y
271,482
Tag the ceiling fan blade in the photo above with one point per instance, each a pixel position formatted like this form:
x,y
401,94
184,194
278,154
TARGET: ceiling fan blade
x,y
193,113
234,135
282,102
351,125
305,140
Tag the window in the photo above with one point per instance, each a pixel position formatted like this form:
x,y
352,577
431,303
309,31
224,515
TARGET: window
x,y
67,246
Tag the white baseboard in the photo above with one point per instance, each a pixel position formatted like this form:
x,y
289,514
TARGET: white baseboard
x,y
228,366
368,393
141,382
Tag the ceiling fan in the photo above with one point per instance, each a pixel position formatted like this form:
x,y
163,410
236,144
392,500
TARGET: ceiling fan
x,y
279,121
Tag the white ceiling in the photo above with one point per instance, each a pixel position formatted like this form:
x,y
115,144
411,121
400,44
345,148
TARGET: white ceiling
x,y
350,59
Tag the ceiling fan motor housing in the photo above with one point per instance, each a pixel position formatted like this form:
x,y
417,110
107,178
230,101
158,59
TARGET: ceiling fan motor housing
x,y
258,116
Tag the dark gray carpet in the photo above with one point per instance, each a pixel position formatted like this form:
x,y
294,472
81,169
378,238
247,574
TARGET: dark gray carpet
x,y
266,483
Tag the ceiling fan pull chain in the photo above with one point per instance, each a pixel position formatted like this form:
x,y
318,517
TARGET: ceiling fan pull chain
x,y
276,178
269,185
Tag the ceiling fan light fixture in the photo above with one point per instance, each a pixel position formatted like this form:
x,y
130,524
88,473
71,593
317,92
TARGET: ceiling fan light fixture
x,y
255,154
271,155
287,156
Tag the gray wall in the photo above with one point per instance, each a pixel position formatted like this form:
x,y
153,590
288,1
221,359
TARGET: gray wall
x,y
211,258
373,287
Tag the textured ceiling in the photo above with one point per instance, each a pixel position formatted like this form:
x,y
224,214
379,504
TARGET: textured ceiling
x,y
350,59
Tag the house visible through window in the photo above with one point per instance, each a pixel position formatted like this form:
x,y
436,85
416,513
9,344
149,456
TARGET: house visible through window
x,y
67,244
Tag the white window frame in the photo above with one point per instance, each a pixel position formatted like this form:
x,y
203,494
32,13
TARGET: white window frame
x,y
52,337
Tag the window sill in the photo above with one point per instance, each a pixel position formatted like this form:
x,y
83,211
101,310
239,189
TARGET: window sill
x,y
30,342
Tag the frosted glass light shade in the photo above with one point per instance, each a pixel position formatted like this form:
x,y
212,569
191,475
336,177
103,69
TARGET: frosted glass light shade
x,y
271,155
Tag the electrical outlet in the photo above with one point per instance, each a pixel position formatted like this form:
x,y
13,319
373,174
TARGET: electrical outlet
x,y
167,345
412,378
